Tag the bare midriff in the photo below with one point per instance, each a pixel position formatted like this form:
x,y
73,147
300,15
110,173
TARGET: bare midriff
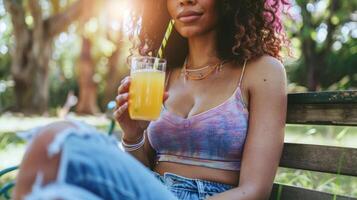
x,y
197,172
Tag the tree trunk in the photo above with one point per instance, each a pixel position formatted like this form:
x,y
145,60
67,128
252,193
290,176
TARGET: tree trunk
x,y
314,62
315,58
32,91
30,73
312,76
87,86
33,49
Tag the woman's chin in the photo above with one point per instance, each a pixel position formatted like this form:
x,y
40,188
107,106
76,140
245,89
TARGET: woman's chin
x,y
189,32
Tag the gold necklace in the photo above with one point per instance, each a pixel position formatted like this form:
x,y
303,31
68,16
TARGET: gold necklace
x,y
198,74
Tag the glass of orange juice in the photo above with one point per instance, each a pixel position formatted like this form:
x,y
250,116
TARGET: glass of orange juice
x,y
146,87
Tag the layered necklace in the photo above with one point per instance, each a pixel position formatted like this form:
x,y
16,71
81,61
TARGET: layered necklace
x,y
199,73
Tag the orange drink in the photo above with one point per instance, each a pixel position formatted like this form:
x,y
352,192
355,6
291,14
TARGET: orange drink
x,y
146,88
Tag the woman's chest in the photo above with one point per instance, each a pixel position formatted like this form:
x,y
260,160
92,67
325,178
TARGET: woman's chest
x,y
190,98
225,126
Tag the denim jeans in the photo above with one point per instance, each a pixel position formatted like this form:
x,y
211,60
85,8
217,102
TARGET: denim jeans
x,y
191,189
93,167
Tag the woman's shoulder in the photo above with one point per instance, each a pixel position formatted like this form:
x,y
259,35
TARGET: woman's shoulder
x,y
265,70
266,64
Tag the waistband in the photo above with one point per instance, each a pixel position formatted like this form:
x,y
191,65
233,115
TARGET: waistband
x,y
180,182
215,164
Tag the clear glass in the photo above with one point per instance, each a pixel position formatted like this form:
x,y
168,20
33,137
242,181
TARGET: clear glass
x,y
147,88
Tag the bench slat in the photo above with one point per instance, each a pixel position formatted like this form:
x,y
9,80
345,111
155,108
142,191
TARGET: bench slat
x,y
336,160
337,97
323,108
284,192
322,114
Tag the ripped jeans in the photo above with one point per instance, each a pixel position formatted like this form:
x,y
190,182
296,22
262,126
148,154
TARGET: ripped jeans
x,y
93,167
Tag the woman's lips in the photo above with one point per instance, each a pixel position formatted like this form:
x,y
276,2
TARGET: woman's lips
x,y
189,16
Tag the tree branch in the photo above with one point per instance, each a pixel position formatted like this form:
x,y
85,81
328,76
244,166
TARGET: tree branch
x,y
36,12
38,28
60,22
17,17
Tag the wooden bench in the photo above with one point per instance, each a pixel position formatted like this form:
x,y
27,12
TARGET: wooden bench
x,y
323,108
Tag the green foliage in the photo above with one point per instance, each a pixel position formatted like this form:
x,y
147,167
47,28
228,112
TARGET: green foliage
x,y
62,68
9,138
331,183
322,135
338,73
6,84
324,35
341,64
5,62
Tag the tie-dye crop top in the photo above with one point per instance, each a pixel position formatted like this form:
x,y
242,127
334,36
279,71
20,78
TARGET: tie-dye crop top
x,y
214,138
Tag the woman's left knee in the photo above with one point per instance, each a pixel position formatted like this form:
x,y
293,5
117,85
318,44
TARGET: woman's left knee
x,y
37,158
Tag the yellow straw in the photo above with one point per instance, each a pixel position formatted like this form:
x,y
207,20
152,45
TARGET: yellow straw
x,y
166,38
164,43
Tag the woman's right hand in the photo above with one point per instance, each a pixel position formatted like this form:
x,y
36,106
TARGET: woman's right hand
x,y
132,129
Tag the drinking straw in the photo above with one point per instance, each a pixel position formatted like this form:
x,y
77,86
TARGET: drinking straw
x,y
164,43
166,38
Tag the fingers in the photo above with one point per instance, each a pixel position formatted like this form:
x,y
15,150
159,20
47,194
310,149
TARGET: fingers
x,y
123,92
124,86
125,79
120,111
121,99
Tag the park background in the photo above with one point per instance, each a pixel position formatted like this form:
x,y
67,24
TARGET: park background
x,y
70,56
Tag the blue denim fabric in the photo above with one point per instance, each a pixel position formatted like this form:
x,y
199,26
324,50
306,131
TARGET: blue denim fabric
x,y
191,189
93,167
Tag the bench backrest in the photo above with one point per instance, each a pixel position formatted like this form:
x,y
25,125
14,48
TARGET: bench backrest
x,y
322,108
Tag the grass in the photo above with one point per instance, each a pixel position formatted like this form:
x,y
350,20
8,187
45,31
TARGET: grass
x,y
12,149
331,183
340,136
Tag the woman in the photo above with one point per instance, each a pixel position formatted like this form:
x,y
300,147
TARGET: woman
x,y
221,130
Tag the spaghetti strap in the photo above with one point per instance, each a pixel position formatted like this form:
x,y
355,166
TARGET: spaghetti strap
x,y
242,74
167,79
